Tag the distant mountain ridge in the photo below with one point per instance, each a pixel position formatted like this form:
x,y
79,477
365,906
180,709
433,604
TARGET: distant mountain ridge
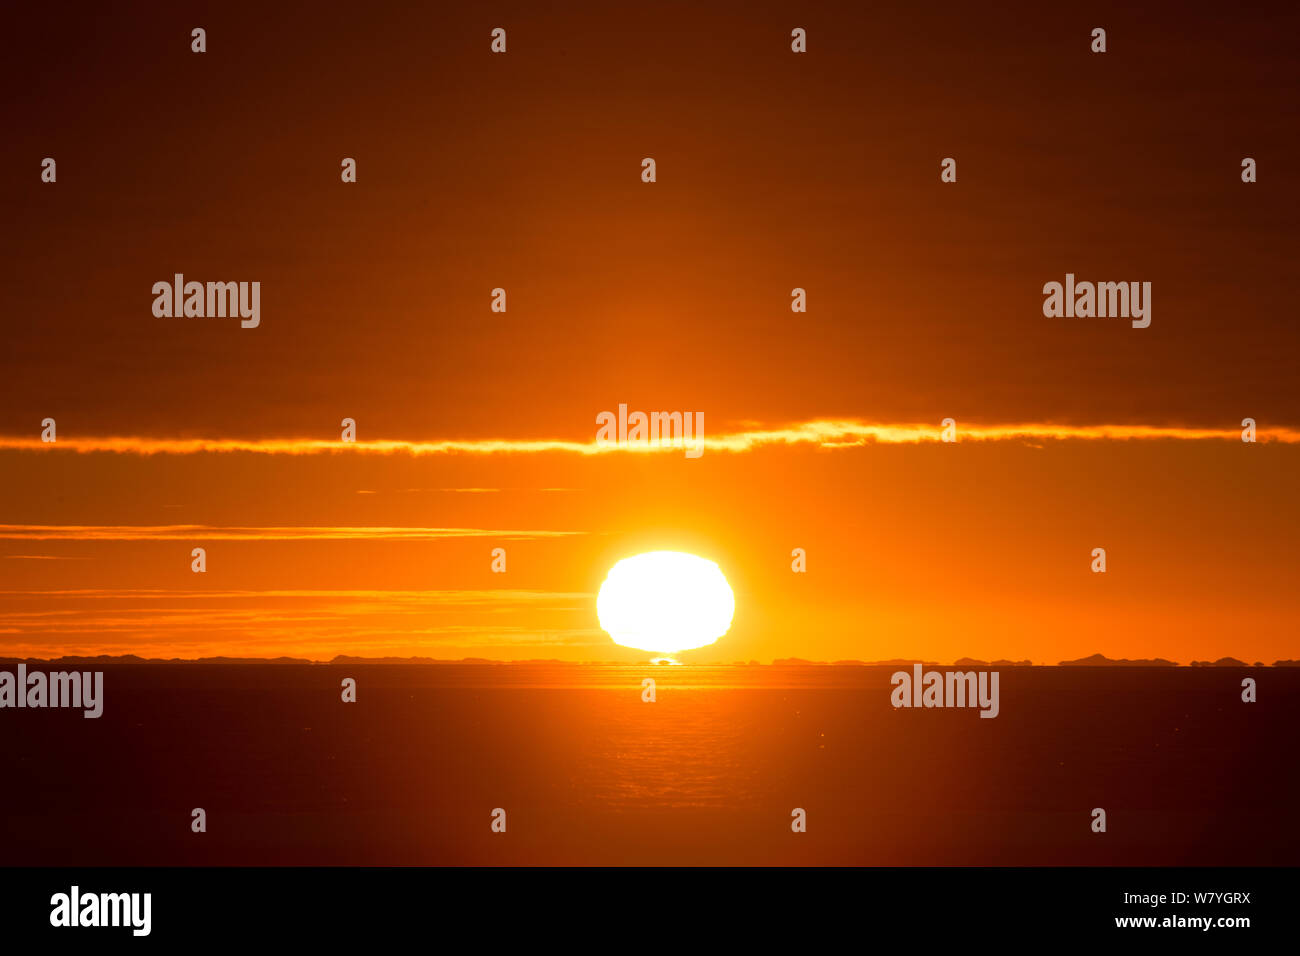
x,y
1101,660
1093,660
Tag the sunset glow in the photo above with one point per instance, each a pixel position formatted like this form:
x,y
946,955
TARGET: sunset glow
x,y
665,601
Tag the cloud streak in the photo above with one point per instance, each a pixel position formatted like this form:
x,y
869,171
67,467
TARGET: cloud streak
x,y
199,532
312,623
830,434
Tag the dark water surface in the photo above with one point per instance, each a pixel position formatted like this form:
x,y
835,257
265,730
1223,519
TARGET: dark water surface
x,y
708,774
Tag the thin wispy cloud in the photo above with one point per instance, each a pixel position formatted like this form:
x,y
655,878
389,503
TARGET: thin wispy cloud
x,y
830,434
422,596
42,557
314,622
199,532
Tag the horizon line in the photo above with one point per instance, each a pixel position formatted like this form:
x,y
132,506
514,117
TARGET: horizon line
x,y
1100,661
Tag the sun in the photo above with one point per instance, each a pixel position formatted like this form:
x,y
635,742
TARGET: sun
x,y
665,601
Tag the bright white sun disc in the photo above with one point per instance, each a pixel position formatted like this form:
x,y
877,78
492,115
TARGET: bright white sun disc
x,y
665,601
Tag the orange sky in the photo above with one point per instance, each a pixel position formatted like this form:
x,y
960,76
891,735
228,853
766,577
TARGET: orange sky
x,y
774,171
924,549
